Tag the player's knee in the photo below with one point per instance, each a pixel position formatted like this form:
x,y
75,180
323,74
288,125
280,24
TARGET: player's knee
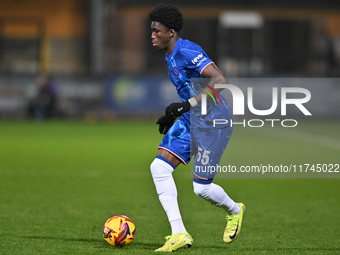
x,y
160,168
201,190
155,169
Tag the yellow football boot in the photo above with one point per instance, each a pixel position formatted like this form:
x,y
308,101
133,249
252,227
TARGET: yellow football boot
x,y
234,223
176,241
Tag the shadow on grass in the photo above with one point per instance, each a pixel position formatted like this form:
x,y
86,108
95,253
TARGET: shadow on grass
x,y
101,244
98,242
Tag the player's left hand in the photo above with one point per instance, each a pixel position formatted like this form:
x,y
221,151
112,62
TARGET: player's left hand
x,y
177,109
165,122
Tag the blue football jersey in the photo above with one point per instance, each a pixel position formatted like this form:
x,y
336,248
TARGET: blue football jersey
x,y
186,61
185,64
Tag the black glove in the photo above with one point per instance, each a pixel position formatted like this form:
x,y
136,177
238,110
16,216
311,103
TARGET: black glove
x,y
165,122
177,109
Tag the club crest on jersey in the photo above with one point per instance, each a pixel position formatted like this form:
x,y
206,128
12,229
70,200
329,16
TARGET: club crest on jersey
x,y
176,71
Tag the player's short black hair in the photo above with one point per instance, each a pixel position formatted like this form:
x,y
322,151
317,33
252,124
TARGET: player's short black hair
x,y
168,15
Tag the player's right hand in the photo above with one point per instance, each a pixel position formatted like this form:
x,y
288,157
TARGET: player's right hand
x,y
165,122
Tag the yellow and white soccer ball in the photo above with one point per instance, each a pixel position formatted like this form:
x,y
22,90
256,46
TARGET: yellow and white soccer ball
x,y
119,231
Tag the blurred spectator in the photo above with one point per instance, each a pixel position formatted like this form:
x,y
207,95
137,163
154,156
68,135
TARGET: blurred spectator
x,y
44,105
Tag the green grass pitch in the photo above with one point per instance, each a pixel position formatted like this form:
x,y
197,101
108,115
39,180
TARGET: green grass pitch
x,y
60,181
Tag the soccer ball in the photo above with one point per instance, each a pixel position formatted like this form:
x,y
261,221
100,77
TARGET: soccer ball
x,y
119,231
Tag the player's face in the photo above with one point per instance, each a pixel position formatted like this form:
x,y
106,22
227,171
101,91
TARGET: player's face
x,y
160,36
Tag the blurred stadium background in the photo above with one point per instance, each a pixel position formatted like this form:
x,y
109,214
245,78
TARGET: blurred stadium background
x,y
99,55
60,180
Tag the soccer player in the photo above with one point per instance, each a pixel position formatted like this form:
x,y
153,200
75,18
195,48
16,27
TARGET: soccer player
x,y
186,60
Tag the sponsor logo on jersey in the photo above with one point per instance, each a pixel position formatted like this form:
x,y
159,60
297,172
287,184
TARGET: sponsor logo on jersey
x,y
198,59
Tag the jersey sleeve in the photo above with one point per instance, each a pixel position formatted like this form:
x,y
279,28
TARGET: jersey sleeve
x,y
195,58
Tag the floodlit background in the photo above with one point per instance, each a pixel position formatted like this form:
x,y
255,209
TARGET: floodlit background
x,y
99,55
81,89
